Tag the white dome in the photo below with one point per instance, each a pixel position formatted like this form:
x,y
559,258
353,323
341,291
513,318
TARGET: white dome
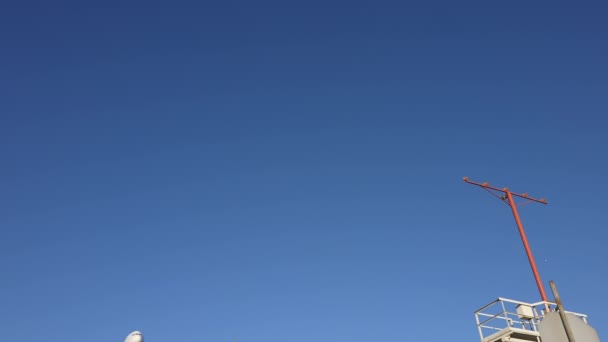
x,y
135,336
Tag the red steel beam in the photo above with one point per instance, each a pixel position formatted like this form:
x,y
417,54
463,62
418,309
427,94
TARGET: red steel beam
x,y
509,196
504,190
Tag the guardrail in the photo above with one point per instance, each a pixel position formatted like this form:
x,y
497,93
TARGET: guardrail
x,y
502,314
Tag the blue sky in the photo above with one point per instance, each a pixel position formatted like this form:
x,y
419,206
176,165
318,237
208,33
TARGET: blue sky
x,y
275,171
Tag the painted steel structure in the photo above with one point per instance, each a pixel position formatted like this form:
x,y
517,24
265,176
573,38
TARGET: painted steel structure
x,y
508,197
509,320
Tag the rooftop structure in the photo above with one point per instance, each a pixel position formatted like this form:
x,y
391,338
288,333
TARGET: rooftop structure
x,y
506,320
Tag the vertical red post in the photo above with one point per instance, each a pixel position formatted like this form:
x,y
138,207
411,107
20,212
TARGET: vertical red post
x,y
524,239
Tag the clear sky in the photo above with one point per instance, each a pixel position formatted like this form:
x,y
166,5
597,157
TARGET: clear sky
x,y
291,171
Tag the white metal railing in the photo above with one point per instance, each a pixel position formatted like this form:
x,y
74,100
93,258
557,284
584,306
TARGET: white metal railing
x,y
501,314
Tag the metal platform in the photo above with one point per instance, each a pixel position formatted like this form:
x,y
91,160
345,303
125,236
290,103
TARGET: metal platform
x,y
506,320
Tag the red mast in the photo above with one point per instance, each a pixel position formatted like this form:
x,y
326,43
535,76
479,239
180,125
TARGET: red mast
x,y
508,197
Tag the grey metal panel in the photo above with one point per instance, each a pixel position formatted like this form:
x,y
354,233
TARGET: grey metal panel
x,y
552,330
